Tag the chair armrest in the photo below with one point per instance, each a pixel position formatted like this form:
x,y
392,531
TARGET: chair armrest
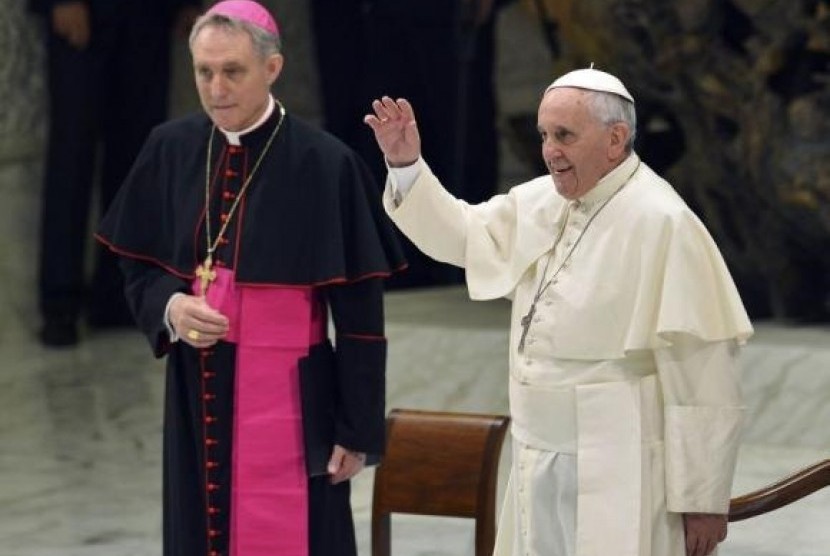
x,y
781,493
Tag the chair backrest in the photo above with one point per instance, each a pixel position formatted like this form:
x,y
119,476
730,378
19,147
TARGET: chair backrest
x,y
781,493
441,464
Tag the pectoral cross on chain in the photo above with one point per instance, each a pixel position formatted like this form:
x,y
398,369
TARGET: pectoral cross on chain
x,y
526,320
206,275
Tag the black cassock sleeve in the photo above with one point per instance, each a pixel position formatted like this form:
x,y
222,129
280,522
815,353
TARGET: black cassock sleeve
x,y
344,389
148,289
360,355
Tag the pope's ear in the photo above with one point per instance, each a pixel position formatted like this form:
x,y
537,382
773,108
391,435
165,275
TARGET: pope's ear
x,y
619,137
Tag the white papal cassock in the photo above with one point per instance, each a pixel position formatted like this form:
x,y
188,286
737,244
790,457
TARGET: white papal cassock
x,y
625,399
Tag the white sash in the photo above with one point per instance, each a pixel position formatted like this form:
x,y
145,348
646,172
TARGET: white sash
x,y
609,453
603,424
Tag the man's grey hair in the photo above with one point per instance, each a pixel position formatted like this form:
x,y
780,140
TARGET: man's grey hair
x,y
611,109
265,43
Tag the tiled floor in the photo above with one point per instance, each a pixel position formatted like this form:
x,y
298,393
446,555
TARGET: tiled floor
x,y
80,430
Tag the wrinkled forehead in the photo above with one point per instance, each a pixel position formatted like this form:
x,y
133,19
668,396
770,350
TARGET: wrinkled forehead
x,y
217,46
565,106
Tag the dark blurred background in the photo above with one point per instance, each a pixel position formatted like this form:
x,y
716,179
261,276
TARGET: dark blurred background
x,y
733,99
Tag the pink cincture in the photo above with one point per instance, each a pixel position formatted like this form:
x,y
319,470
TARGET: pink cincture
x,y
273,328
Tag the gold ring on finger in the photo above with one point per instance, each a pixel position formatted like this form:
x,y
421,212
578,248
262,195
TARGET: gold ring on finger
x,y
193,334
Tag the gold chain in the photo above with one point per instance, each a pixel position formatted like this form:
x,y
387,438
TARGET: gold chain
x,y
205,270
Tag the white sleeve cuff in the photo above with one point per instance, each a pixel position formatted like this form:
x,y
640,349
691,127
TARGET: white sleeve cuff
x,y
170,330
403,178
701,452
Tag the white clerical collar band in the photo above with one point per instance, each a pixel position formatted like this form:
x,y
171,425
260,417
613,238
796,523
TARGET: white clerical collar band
x,y
609,183
234,137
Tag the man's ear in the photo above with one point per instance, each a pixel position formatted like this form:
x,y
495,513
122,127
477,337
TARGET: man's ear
x,y
273,65
619,137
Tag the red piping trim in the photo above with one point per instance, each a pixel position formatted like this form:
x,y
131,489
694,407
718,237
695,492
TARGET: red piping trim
x,y
145,258
366,337
207,483
332,281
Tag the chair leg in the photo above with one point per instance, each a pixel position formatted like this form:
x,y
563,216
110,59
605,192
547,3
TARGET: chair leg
x,y
485,540
381,540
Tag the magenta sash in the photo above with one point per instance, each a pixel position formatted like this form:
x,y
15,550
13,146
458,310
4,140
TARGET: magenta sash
x,y
273,328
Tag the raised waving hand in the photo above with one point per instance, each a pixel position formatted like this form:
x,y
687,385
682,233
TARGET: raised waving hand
x,y
396,130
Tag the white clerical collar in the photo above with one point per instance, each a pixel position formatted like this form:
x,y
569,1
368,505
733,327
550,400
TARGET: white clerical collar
x,y
610,182
234,137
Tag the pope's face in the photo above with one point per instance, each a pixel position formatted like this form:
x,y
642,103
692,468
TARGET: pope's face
x,y
578,149
234,82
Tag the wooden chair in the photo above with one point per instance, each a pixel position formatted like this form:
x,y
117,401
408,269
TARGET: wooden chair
x,y
441,464
446,464
781,493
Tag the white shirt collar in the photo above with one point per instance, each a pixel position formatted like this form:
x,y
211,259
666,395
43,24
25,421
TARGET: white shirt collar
x,y
234,137
610,183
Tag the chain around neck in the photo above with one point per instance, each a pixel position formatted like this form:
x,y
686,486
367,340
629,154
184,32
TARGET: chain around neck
x,y
212,244
544,281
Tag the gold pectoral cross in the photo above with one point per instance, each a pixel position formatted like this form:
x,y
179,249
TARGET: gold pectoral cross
x,y
206,274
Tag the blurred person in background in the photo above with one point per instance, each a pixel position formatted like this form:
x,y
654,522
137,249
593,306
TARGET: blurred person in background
x,y
108,65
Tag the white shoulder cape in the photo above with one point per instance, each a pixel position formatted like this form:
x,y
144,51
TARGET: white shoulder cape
x,y
646,267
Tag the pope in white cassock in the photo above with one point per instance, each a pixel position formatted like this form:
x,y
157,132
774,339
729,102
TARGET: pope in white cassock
x,y
625,328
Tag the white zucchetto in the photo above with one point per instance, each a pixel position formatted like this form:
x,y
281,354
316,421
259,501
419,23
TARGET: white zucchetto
x,y
592,80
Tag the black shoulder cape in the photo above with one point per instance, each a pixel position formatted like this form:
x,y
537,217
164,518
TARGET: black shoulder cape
x,y
311,216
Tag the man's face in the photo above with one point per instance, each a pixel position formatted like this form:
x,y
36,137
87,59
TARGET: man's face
x,y
577,148
233,81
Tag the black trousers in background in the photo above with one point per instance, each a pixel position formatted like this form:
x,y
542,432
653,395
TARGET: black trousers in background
x,y
103,101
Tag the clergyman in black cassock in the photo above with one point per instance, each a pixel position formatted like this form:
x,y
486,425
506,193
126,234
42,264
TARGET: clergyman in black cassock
x,y
280,224
96,51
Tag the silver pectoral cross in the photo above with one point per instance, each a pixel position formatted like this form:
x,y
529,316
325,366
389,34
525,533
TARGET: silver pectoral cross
x,y
526,320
